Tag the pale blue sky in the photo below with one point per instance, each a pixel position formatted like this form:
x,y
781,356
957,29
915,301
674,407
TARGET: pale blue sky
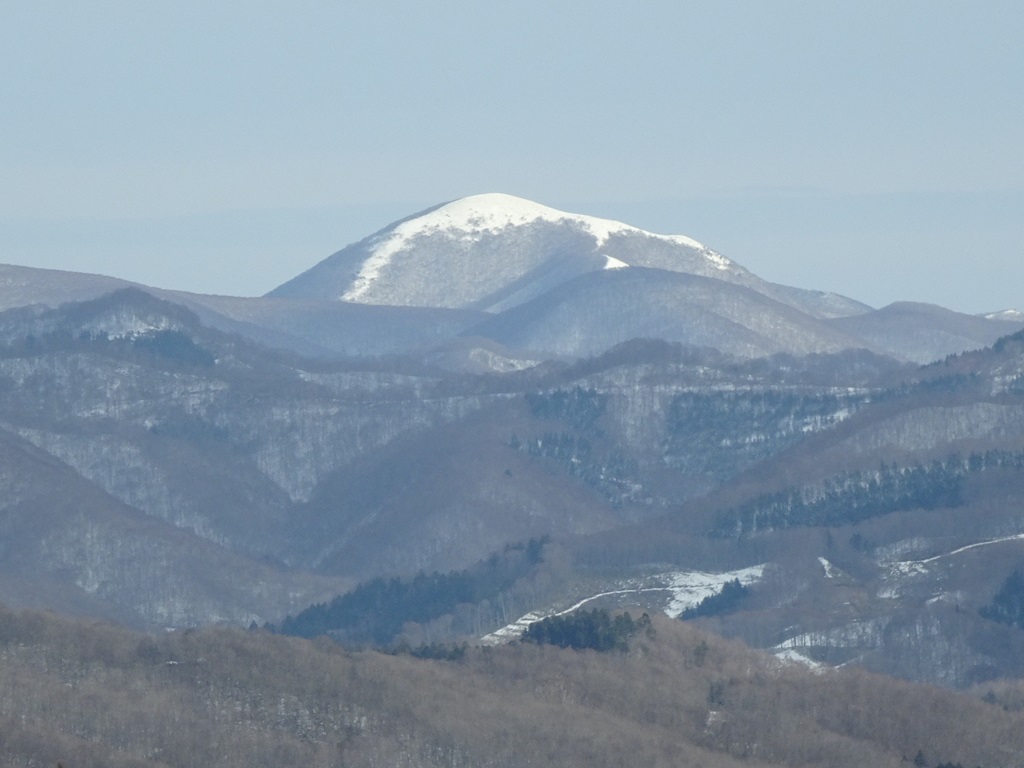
x,y
871,148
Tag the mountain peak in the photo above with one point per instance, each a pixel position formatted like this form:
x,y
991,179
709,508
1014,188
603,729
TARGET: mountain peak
x,y
494,211
470,218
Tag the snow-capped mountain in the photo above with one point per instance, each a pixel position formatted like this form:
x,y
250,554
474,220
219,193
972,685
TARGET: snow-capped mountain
x,y
496,251
550,283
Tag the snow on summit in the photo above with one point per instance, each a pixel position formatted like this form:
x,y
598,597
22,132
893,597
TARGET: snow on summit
x,y
494,212
468,218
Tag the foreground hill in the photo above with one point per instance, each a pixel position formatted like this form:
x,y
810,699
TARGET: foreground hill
x,y
87,694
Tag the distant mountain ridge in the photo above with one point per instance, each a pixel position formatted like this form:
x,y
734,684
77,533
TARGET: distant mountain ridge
x,y
497,282
562,284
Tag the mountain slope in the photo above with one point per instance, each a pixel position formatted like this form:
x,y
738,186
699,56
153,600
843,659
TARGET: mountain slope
x,y
72,547
321,328
888,534
595,312
25,286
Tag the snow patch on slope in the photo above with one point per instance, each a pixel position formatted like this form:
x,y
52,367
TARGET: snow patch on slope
x,y
831,572
685,589
795,657
1009,315
500,363
690,587
917,566
471,217
900,570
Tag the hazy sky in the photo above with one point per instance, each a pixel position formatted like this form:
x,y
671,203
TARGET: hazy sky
x,y
871,148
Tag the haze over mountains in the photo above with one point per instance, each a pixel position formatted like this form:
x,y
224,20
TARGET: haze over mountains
x,y
492,372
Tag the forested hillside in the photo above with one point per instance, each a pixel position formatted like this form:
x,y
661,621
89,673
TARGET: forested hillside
x,y
86,695
377,612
